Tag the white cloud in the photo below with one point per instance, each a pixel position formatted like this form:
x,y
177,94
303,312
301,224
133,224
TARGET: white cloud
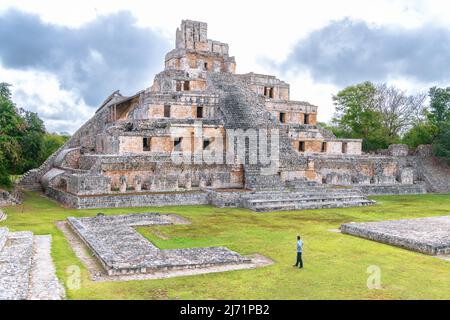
x,y
41,92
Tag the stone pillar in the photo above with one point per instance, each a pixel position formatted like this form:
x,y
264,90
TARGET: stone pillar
x,y
310,170
189,182
123,184
137,183
407,175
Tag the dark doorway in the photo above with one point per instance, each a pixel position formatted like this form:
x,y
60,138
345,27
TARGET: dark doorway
x,y
301,146
306,119
167,111
200,112
146,144
177,144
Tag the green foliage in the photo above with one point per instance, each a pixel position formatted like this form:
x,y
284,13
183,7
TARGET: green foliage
x,y
357,118
5,180
441,145
5,92
11,126
24,143
52,142
31,142
439,117
421,133
439,106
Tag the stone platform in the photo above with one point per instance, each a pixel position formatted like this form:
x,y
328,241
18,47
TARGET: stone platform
x,y
427,235
307,197
122,250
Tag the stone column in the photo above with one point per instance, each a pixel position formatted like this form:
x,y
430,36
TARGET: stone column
x,y
137,183
123,184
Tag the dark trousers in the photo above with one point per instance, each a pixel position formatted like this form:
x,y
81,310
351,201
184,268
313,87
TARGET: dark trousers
x,y
299,260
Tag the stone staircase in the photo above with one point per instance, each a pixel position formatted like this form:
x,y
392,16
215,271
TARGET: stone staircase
x,y
435,173
255,180
26,269
29,180
309,198
240,106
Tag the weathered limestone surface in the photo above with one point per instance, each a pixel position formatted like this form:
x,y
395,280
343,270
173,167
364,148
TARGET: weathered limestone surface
x,y
122,250
26,267
15,265
426,235
44,283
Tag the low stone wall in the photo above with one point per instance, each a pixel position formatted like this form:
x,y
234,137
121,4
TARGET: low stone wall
x,y
395,189
129,200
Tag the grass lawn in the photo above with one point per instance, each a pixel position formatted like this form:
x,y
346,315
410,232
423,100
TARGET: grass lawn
x,y
335,264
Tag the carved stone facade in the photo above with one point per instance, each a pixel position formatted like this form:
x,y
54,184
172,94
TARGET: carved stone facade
x,y
201,126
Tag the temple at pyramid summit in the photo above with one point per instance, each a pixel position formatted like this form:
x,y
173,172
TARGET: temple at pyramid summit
x,y
203,134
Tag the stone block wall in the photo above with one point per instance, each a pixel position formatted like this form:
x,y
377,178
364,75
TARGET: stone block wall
x,y
398,150
130,200
87,184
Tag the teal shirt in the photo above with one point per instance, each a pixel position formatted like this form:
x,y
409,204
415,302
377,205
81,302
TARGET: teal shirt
x,y
299,245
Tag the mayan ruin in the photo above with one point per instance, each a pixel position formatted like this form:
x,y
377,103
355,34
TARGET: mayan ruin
x,y
206,183
204,134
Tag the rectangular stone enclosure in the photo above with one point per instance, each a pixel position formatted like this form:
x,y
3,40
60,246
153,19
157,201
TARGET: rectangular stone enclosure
x,y
427,235
122,250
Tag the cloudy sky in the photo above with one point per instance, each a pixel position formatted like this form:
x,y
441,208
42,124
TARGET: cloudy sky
x,y
65,57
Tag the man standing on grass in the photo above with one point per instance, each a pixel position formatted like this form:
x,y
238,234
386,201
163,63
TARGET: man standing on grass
x,y
299,262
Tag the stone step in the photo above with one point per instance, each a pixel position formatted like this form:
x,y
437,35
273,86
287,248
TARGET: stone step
x,y
15,266
300,195
315,205
308,199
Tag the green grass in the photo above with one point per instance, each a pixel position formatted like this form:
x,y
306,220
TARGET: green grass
x,y
335,264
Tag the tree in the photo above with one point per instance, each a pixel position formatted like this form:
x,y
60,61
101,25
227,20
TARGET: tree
x,y
52,142
5,180
24,142
439,117
5,92
357,116
31,141
441,145
421,133
439,105
11,127
399,111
